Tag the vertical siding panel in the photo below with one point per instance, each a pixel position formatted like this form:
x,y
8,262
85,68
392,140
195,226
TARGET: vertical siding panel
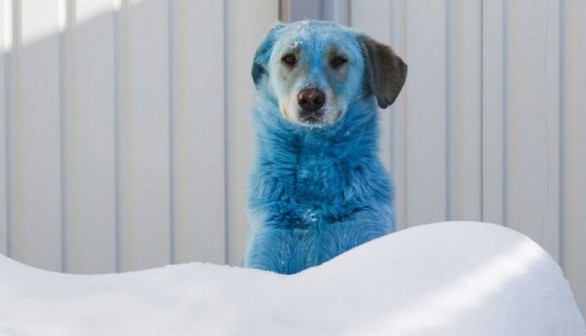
x,y
246,26
521,119
531,138
573,137
464,109
296,10
90,148
67,107
338,11
511,77
373,20
385,22
427,116
398,114
35,152
493,112
143,131
5,48
197,70
122,105
550,231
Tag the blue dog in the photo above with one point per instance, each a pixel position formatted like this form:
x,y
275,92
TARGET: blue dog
x,y
319,188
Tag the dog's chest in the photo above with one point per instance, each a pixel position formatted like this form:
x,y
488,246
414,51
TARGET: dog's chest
x,y
316,176
309,188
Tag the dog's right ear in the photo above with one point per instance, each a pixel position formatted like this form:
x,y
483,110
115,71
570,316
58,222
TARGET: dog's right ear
x,y
385,71
263,53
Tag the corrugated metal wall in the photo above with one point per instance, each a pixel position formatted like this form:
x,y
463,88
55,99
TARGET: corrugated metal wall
x,y
126,136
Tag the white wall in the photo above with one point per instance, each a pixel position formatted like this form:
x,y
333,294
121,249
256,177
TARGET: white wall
x,y
126,137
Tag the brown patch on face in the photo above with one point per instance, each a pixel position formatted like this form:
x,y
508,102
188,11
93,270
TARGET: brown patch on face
x,y
286,112
286,108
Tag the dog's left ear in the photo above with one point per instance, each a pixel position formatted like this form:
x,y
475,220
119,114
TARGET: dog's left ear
x,y
385,71
263,53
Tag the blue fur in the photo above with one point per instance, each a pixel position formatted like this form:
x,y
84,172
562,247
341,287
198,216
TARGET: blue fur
x,y
315,192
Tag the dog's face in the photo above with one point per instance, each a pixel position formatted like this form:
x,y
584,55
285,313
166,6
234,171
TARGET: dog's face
x,y
315,69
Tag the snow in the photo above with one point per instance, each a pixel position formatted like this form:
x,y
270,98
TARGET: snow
x,y
453,278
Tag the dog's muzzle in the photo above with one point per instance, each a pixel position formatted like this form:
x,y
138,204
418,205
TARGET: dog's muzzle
x,y
311,102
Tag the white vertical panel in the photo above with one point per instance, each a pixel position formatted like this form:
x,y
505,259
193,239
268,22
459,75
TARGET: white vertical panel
x,y
35,180
493,112
296,10
549,232
90,139
337,10
531,135
427,116
247,23
5,46
397,135
464,109
385,22
527,182
198,94
573,136
376,24
143,133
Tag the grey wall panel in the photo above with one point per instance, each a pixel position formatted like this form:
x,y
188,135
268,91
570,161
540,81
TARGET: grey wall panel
x,y
573,149
143,134
5,46
88,137
247,23
35,135
198,115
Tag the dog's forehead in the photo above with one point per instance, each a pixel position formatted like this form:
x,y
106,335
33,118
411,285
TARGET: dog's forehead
x,y
316,35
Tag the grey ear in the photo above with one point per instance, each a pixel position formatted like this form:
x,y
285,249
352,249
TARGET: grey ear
x,y
385,71
263,53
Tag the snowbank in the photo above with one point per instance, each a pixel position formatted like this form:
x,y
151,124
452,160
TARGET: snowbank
x,y
456,278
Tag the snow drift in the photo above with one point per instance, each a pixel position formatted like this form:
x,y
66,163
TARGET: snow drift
x,y
454,278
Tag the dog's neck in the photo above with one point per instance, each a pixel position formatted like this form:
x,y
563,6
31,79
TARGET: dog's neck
x,y
354,136
319,166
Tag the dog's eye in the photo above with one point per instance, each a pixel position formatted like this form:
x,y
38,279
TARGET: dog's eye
x,y
290,60
337,61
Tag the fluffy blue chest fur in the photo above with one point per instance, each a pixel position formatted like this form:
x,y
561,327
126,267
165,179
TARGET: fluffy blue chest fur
x,y
316,192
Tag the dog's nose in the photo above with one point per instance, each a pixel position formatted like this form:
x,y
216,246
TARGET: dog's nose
x,y
311,99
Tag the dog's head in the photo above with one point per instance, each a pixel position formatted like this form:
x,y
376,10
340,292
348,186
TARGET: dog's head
x,y
315,69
